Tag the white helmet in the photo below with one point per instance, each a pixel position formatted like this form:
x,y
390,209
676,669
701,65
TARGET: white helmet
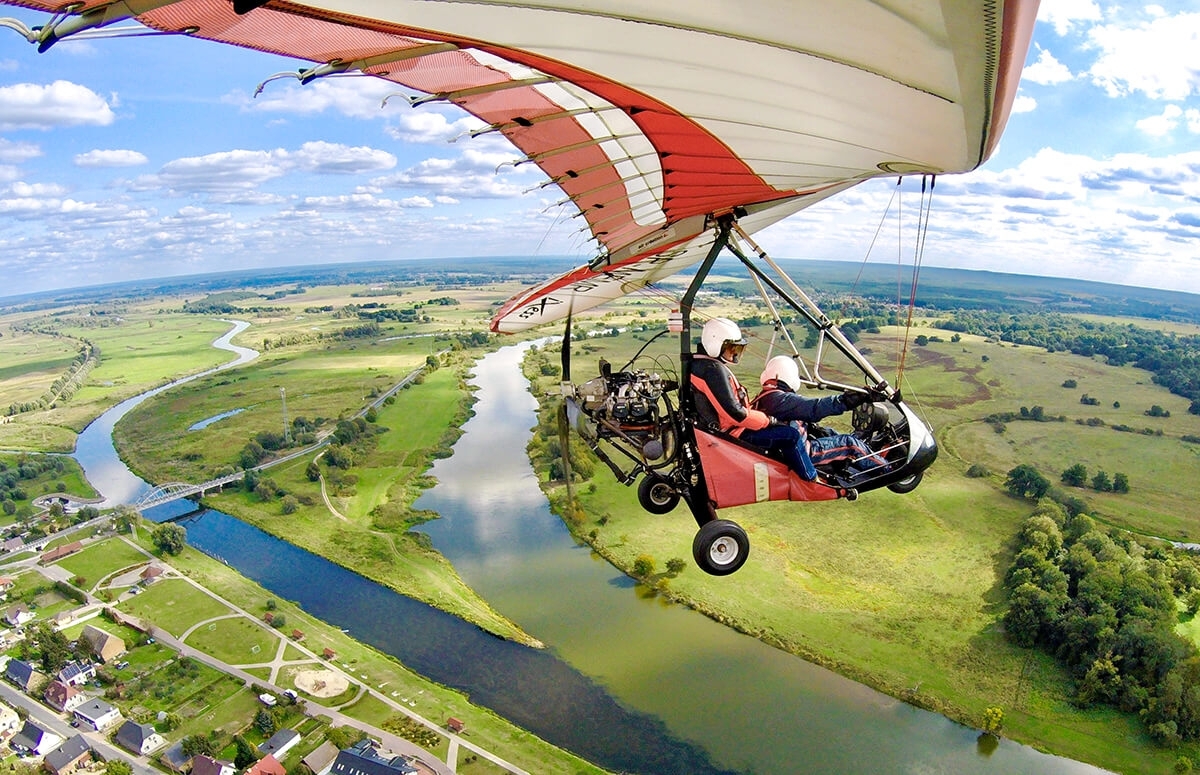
x,y
782,369
717,333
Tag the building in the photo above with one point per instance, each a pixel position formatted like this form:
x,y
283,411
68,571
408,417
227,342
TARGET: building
x,y
32,739
455,725
17,615
268,765
138,738
151,574
365,758
59,552
5,584
13,544
329,653
77,673
320,761
105,645
69,757
97,714
23,674
203,764
63,697
175,759
280,743
10,723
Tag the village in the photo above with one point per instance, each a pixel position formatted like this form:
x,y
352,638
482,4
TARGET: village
x,y
117,662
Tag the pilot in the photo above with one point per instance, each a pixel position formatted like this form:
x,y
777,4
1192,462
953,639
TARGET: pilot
x,y
779,399
723,405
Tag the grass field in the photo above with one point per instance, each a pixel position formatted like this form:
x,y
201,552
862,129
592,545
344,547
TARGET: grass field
x,y
903,592
174,605
235,641
98,561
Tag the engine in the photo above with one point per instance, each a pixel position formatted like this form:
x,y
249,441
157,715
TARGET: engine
x,y
630,407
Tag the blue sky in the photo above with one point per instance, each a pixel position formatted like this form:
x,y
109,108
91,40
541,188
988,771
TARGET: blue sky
x,y
143,157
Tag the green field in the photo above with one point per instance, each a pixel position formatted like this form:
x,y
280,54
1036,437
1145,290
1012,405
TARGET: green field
x,y
903,592
174,605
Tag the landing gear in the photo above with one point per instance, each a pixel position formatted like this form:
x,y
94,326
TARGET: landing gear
x,y
657,495
907,484
720,547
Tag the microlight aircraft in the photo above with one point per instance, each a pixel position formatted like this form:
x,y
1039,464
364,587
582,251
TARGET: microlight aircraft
x,y
677,130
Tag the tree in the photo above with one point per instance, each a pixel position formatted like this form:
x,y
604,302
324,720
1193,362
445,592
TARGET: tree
x,y
265,722
194,745
1120,483
118,767
56,650
1101,482
244,754
993,720
170,537
675,566
1025,481
643,566
1075,476
289,504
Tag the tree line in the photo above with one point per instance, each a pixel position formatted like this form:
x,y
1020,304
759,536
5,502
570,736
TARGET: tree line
x,y
1105,604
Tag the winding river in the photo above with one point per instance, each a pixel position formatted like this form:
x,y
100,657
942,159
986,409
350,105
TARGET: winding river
x,y
630,682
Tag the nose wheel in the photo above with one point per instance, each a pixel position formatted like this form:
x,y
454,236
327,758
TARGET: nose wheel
x,y
720,547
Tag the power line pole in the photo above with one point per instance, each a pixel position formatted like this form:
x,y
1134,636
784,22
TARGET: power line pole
x,y
287,430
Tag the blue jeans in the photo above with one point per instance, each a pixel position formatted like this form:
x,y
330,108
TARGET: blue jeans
x,y
786,442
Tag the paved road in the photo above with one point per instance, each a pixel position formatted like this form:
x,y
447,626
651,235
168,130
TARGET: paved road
x,y
55,723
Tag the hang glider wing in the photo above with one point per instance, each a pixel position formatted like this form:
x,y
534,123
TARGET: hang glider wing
x,y
654,114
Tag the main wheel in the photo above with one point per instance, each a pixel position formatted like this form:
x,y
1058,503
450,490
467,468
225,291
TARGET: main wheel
x,y
720,547
907,484
657,495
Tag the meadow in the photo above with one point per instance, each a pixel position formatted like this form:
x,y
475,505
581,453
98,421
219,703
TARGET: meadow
x,y
903,592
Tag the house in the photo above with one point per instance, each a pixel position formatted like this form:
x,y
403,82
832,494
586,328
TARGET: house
x,y
63,697
297,635
23,674
268,765
17,615
97,714
455,725
329,653
63,619
364,758
105,645
280,743
138,738
203,764
5,584
59,552
77,673
32,739
13,544
69,757
269,617
175,759
10,722
321,760
151,574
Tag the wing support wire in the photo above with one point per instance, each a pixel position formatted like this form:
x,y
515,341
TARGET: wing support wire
x,y
520,122
473,91
798,300
65,24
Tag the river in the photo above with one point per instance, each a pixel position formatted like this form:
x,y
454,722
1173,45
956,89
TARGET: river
x,y
629,682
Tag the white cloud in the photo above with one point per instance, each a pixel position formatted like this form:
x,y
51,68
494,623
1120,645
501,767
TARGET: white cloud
x,y
1064,15
62,103
110,158
428,126
322,157
222,172
353,96
12,152
1159,57
1047,70
1192,117
29,190
1024,104
1162,124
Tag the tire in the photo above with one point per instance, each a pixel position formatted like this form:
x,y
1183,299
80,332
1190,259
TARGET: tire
x,y
656,495
907,484
720,547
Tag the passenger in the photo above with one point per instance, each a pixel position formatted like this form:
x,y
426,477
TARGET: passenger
x,y
780,379
722,404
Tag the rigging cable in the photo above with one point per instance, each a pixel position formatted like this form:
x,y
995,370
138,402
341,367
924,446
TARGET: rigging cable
x,y
923,210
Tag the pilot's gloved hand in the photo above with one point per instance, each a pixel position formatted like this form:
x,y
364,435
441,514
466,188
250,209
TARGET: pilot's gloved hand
x,y
852,399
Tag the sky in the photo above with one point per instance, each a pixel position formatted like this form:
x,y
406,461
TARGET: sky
x,y
133,158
